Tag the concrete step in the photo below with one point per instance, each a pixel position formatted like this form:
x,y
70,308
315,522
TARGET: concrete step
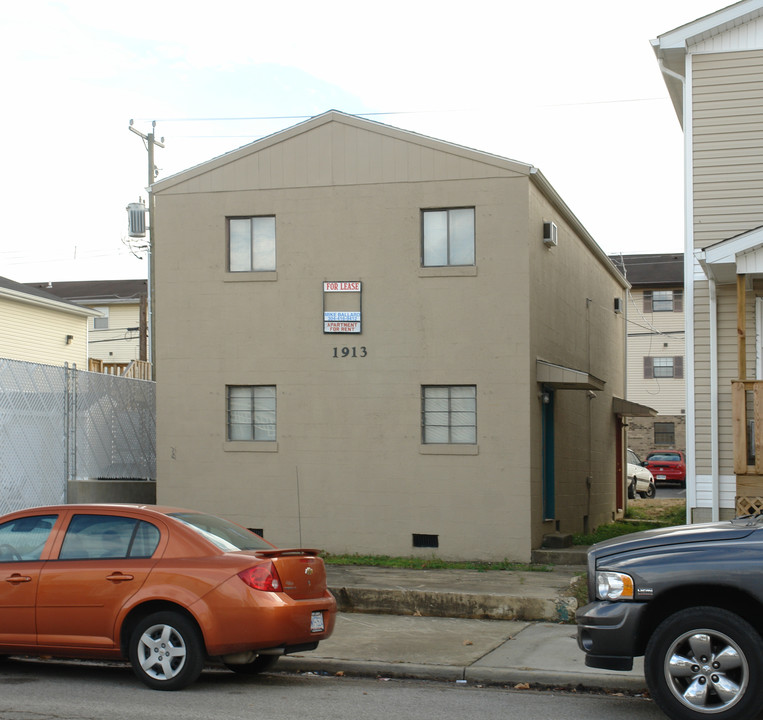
x,y
495,595
576,555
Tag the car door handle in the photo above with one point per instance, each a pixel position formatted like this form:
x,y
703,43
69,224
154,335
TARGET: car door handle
x,y
119,577
16,578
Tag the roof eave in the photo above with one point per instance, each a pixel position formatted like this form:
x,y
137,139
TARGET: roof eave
x,y
548,190
336,116
61,306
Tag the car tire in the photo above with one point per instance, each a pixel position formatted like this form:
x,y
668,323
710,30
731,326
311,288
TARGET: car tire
x,y
705,662
166,651
260,664
631,488
651,492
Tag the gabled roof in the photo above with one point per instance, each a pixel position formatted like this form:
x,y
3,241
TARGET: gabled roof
x,y
497,164
95,292
36,296
335,116
671,47
651,270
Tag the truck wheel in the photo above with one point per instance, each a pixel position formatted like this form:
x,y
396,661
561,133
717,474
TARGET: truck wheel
x,y
705,662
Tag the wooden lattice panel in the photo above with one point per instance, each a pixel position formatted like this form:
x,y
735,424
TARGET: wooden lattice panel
x,y
749,505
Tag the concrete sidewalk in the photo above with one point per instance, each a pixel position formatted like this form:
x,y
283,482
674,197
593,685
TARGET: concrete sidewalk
x,y
479,627
492,652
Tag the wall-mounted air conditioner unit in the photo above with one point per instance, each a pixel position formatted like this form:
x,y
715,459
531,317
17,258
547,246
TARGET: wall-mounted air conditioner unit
x,y
549,234
618,305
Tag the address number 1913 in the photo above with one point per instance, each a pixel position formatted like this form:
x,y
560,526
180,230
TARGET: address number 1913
x,y
343,352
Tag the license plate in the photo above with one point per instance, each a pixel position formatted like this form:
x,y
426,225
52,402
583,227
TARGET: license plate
x,y
660,477
316,622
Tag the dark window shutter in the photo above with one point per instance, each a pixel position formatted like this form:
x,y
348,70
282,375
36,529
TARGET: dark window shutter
x,y
678,301
678,366
648,368
647,301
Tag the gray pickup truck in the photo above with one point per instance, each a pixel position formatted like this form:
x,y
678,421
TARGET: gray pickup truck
x,y
690,600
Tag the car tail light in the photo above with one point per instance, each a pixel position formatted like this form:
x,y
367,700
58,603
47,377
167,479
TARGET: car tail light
x,y
262,577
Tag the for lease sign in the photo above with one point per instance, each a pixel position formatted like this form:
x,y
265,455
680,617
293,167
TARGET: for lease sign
x,y
341,287
346,320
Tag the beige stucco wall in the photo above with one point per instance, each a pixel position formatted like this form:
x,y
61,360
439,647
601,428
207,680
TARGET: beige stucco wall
x,y
573,324
348,472
349,462
34,333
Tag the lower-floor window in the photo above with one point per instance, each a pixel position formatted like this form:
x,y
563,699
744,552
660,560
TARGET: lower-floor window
x,y
664,433
252,412
449,414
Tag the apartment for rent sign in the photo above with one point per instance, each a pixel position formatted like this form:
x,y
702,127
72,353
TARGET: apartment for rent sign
x,y
341,307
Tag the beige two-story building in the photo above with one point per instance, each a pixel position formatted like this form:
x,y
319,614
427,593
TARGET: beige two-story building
x,y
713,69
373,341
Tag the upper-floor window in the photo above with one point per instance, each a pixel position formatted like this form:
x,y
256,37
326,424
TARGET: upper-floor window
x,y
449,414
252,412
663,301
252,244
663,367
447,237
101,323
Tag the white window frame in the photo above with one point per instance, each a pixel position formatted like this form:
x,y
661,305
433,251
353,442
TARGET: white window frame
x,y
666,365
104,321
443,246
252,248
250,413
663,301
445,414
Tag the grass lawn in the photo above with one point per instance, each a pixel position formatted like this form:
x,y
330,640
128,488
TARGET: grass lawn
x,y
643,514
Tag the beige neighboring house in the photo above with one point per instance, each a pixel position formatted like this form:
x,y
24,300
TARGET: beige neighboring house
x,y
39,327
374,341
115,332
656,349
713,68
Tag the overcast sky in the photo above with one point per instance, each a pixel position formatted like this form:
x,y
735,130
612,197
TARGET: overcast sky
x,y
572,88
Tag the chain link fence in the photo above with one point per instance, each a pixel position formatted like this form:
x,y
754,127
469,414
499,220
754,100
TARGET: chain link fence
x,y
59,424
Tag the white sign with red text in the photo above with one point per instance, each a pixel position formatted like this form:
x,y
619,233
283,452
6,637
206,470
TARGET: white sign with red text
x,y
342,321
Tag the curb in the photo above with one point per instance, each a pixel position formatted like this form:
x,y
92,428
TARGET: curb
x,y
454,673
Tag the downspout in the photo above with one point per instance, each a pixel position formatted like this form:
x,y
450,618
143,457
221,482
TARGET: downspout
x,y
714,462
671,73
689,269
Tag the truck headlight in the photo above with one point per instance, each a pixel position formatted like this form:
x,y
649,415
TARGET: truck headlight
x,y
614,586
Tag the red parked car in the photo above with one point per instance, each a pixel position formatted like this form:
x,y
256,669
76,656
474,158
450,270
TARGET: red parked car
x,y
667,466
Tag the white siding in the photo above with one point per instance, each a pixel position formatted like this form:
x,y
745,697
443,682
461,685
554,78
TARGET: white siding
x,y
117,343
655,334
36,334
743,37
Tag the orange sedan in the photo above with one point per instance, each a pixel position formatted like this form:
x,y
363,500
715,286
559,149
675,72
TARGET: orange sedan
x,y
165,587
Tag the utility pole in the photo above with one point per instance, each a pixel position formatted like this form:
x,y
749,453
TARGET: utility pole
x,y
150,141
